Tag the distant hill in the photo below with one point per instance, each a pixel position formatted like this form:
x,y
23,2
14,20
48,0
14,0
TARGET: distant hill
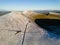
x,y
3,12
46,11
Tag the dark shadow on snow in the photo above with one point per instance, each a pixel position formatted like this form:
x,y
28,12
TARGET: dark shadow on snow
x,y
50,25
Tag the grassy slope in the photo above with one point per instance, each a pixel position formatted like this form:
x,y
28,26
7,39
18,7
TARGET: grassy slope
x,y
42,16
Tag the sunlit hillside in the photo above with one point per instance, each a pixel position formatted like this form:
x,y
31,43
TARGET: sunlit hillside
x,y
55,15
34,15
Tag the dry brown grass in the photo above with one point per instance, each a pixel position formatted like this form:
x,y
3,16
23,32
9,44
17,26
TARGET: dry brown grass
x,y
55,15
42,16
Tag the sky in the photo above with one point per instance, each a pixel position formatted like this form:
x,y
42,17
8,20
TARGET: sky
x,y
30,4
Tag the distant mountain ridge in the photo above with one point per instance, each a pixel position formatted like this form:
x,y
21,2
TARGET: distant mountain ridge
x,y
46,11
2,10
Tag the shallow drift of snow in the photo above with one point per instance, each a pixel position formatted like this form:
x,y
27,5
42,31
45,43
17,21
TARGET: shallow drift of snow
x,y
16,21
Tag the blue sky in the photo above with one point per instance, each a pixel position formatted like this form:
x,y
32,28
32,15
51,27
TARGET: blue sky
x,y
30,4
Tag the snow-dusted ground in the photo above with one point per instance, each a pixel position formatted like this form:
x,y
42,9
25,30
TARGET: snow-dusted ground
x,y
9,23
16,21
54,13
